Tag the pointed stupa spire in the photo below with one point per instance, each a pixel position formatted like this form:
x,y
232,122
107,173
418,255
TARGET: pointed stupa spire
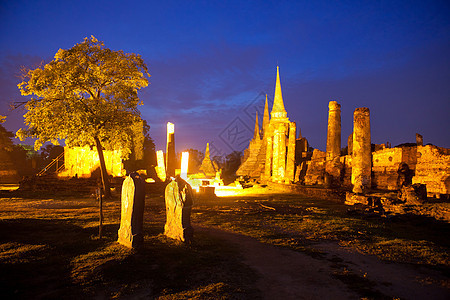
x,y
207,151
278,110
266,119
256,135
207,166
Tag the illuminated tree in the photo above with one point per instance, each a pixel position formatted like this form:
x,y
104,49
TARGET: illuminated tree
x,y
86,95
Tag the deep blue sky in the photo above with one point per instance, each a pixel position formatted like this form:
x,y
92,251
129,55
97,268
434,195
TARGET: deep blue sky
x,y
212,61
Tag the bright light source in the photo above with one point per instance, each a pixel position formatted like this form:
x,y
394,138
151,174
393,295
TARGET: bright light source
x,y
184,164
160,169
170,128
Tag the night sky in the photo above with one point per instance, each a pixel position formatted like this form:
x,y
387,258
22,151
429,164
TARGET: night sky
x,y
212,62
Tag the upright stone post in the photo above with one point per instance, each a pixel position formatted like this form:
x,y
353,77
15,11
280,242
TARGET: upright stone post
x,y
170,150
132,213
419,139
332,166
290,163
362,155
179,200
334,130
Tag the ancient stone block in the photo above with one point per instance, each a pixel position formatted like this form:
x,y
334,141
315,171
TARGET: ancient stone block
x,y
415,194
132,213
179,200
316,168
352,199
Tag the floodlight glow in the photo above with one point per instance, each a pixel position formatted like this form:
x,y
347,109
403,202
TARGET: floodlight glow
x,y
184,164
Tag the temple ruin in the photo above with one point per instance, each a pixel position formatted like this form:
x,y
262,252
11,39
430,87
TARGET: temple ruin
x,y
276,155
271,155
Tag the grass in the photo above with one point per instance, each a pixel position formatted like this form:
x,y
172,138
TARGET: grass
x,y
49,246
50,249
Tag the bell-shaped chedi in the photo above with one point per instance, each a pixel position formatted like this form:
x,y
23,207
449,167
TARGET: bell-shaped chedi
x,y
207,166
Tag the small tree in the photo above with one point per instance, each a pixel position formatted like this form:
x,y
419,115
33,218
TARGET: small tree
x,y
86,95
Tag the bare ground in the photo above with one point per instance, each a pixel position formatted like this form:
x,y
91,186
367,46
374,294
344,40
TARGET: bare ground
x,y
336,273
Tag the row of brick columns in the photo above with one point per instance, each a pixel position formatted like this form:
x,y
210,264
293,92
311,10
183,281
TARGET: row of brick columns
x,y
360,144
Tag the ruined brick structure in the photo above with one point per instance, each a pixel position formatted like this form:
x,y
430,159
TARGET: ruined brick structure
x,y
255,155
365,166
83,161
433,169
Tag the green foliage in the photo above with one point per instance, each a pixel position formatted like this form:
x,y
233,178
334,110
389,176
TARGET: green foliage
x,y
85,92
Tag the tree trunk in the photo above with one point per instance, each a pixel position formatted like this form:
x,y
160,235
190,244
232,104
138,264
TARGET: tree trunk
x,y
105,179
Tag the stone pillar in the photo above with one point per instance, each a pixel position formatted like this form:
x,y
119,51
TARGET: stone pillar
x,y
334,130
332,165
419,139
179,200
290,163
362,154
132,213
269,152
170,150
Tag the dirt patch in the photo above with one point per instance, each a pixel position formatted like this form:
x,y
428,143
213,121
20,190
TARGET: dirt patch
x,y
338,273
